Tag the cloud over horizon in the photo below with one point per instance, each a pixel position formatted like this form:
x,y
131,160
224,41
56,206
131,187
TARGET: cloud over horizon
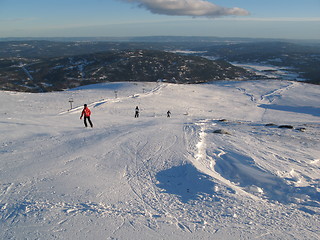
x,y
194,8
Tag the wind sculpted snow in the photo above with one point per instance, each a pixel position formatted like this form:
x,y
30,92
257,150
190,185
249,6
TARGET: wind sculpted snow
x,y
219,168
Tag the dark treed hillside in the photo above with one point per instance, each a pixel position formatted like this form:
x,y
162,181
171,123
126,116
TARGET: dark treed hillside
x,y
140,65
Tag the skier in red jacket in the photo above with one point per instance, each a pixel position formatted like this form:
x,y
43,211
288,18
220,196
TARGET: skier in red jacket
x,y
86,113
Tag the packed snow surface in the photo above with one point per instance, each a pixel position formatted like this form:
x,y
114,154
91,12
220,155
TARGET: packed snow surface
x,y
219,168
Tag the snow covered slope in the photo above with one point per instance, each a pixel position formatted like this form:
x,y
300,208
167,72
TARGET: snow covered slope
x,y
219,168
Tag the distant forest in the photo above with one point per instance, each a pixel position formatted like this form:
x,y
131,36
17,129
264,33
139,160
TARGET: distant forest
x,y
46,65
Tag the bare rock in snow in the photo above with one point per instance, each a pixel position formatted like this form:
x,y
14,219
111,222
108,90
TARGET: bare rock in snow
x,y
301,129
221,131
286,126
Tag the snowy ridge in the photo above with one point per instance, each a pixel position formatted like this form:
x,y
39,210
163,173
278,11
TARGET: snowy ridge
x,y
219,168
206,163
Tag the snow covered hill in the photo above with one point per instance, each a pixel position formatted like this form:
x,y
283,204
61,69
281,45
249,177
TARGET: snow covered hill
x,y
236,160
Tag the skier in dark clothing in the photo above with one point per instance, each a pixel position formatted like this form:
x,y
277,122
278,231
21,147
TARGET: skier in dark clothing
x,y
86,114
168,114
136,112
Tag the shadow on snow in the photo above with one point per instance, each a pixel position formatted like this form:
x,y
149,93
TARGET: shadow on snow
x,y
186,182
305,110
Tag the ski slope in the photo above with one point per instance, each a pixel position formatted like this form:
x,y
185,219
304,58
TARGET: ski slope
x,y
162,178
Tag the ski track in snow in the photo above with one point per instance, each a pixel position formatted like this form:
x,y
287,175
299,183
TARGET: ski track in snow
x,y
162,178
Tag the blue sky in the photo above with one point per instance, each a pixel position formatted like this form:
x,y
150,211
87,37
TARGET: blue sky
x,y
295,19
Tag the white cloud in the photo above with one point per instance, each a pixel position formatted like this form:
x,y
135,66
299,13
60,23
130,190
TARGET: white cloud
x,y
193,8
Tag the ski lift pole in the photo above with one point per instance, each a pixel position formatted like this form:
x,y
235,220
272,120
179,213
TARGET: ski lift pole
x,y
70,101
